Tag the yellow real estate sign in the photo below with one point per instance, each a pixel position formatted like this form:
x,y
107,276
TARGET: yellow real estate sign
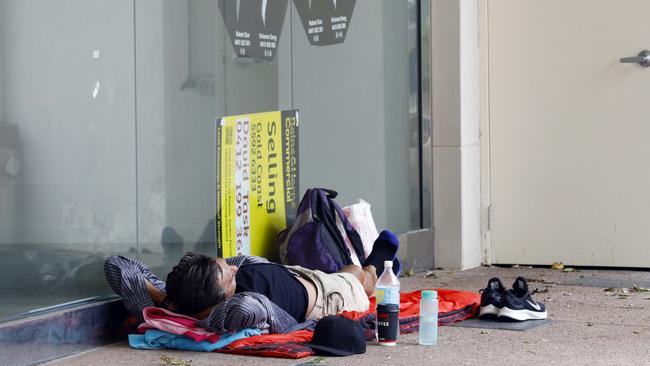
x,y
256,181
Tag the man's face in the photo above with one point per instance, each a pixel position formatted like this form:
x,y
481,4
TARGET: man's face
x,y
227,278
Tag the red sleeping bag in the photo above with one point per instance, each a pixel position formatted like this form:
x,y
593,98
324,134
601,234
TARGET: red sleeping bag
x,y
453,306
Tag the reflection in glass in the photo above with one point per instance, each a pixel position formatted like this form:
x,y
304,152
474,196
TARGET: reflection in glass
x,y
107,116
67,147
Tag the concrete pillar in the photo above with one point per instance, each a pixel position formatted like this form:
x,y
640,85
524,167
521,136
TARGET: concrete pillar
x,y
455,133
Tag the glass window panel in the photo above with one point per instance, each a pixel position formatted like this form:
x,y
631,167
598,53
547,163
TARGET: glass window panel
x,y
107,110
187,76
357,102
67,147
359,129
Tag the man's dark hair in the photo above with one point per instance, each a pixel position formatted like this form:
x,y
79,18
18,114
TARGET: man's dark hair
x,y
192,284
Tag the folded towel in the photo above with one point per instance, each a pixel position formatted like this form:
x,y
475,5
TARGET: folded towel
x,y
158,339
168,321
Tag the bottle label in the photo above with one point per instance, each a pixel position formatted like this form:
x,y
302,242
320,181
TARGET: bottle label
x,y
387,295
387,324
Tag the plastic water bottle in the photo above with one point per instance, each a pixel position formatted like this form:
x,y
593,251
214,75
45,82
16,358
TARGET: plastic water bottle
x,y
387,287
387,292
428,334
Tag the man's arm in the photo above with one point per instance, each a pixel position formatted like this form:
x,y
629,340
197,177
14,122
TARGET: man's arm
x,y
134,283
248,310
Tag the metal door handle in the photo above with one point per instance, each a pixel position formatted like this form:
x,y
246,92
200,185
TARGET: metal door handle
x,y
642,59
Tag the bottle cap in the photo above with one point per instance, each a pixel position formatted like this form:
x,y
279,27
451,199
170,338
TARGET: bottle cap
x,y
388,264
429,295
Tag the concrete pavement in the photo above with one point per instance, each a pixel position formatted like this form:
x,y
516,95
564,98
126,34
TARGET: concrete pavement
x,y
590,326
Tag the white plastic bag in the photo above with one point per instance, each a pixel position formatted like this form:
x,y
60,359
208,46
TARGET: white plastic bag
x,y
361,218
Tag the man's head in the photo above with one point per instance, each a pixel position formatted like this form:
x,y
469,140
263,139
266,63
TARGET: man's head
x,y
199,282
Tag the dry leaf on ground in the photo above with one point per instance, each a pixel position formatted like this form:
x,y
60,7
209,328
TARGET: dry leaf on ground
x,y
171,361
542,280
622,293
314,361
557,265
636,288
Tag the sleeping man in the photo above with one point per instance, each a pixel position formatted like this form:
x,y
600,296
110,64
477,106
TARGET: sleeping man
x,y
227,295
242,292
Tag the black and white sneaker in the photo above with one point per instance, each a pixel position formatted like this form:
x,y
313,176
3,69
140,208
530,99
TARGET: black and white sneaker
x,y
492,299
518,304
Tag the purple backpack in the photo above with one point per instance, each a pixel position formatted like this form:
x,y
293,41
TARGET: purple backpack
x,y
321,235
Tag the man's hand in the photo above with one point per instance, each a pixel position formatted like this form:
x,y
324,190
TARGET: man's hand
x,y
156,295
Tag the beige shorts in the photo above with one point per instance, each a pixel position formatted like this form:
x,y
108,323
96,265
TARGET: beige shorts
x,y
336,292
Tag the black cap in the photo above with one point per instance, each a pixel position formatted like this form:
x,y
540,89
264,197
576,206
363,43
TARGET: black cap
x,y
338,336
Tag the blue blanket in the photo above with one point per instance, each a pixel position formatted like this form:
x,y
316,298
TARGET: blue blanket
x,y
157,339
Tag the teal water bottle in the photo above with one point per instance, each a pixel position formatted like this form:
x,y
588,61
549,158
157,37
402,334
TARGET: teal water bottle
x,y
428,334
